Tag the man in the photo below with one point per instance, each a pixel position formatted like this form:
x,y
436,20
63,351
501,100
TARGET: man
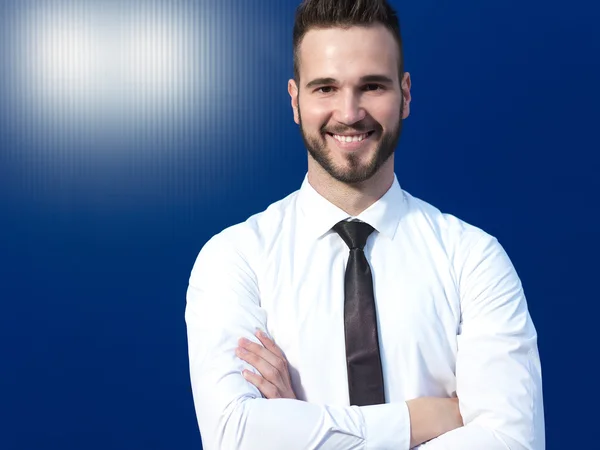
x,y
385,323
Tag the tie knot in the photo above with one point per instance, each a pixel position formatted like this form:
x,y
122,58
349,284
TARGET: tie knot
x,y
353,233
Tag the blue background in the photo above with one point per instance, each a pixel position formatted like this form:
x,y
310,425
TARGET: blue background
x,y
98,235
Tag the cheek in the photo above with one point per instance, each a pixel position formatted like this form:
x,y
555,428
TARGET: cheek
x,y
314,114
388,116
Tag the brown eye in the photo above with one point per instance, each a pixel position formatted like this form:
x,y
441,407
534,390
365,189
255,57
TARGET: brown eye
x,y
373,87
325,90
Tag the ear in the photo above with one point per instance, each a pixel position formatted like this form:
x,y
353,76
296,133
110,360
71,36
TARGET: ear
x,y
405,87
293,91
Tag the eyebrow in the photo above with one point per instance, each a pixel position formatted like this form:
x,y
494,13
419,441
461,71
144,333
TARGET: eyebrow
x,y
366,79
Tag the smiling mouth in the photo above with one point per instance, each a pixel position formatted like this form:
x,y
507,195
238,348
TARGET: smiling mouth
x,y
351,138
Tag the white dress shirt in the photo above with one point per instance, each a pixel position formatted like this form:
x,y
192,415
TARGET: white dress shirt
x,y
452,318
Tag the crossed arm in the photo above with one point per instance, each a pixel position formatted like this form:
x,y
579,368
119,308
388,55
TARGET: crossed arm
x,y
430,417
222,305
497,370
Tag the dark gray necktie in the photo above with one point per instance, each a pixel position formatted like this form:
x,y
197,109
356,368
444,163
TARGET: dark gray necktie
x,y
365,376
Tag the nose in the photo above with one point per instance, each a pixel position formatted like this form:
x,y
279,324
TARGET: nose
x,y
349,109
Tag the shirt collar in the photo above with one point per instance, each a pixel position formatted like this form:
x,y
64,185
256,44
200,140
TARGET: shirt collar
x,y
320,215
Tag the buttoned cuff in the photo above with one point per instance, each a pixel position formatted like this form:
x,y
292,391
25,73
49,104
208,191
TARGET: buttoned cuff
x,y
387,426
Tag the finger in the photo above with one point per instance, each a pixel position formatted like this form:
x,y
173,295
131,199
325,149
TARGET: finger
x,y
265,387
251,358
269,343
261,351
281,362
266,369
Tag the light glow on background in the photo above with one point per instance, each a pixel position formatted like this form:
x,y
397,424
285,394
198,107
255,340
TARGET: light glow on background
x,y
109,68
117,99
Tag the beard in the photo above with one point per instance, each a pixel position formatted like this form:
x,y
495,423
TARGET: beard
x,y
356,171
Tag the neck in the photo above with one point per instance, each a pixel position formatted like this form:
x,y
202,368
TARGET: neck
x,y
352,198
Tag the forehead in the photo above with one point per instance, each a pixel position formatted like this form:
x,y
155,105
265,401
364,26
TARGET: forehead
x,y
348,53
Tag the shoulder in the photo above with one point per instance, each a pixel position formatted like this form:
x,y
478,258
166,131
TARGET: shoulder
x,y
473,253
249,239
476,258
445,228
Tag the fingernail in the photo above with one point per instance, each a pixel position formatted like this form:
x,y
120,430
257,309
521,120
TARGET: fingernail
x,y
242,350
262,334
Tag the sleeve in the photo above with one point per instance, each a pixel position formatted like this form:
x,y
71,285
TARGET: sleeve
x,y
222,306
499,384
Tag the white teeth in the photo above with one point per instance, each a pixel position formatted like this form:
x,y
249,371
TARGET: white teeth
x,y
350,138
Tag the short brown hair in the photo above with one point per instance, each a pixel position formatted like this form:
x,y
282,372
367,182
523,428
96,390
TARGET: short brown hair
x,y
317,14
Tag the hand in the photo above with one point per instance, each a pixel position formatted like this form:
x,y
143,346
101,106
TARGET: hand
x,y
270,361
431,417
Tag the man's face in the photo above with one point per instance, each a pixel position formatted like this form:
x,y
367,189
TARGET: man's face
x,y
350,102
